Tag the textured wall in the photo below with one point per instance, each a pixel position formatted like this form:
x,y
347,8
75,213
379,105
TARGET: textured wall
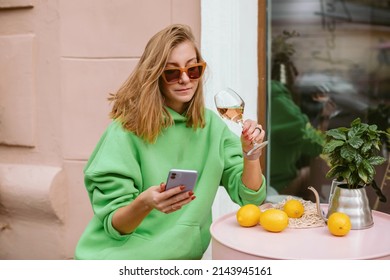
x,y
58,62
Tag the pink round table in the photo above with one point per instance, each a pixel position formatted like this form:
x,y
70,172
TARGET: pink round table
x,y
231,241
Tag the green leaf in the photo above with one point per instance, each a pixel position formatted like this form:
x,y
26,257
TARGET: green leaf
x,y
355,122
335,171
376,160
373,127
377,145
358,159
352,168
357,131
366,172
366,147
356,142
348,153
363,174
337,133
332,145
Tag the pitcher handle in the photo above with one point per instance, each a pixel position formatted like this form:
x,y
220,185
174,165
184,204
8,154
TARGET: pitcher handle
x,y
319,211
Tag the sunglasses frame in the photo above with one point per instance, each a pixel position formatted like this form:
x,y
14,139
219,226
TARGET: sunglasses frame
x,y
184,69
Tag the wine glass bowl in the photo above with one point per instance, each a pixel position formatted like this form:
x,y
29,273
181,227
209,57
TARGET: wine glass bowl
x,y
231,106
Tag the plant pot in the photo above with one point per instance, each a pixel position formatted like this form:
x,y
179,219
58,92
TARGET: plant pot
x,y
353,202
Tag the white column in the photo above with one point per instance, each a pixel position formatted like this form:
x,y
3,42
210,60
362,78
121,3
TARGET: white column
x,y
229,46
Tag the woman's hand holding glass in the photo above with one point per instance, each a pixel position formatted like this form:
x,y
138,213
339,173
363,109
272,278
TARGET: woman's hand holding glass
x,y
231,106
251,133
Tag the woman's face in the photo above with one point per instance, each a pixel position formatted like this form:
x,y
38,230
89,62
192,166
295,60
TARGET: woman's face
x,y
179,93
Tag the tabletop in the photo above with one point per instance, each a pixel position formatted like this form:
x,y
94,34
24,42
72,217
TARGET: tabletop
x,y
231,241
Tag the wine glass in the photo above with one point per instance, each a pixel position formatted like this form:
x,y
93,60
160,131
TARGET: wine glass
x,y
231,107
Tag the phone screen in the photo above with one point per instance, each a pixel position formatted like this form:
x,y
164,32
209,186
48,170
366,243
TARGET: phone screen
x,y
177,177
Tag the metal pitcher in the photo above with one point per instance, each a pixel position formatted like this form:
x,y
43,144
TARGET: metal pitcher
x,y
353,202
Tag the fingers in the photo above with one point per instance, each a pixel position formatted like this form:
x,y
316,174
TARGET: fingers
x,y
252,131
168,201
171,192
178,205
258,134
176,202
162,186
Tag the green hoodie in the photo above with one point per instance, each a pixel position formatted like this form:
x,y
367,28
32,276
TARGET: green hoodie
x,y
122,166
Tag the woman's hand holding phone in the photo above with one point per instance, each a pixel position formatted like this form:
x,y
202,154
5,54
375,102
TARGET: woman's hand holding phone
x,y
179,187
173,195
175,198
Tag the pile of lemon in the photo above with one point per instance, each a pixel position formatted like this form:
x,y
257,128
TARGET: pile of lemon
x,y
250,215
276,220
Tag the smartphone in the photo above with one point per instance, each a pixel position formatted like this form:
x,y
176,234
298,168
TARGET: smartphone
x,y
177,177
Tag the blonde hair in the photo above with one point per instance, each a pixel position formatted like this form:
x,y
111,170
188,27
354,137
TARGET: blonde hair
x,y
139,103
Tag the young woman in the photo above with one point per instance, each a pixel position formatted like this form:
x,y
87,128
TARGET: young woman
x,y
159,123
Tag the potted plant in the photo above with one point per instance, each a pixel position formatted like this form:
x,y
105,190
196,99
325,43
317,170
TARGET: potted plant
x,y
352,155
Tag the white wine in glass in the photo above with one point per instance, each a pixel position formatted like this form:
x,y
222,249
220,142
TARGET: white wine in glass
x,y
231,107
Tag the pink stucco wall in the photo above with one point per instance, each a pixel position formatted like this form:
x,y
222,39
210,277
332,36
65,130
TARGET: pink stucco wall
x,y
59,60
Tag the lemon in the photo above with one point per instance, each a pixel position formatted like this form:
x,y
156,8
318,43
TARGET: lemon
x,y
274,220
294,208
248,215
339,224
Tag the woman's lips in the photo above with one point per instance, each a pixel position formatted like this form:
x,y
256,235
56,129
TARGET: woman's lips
x,y
183,91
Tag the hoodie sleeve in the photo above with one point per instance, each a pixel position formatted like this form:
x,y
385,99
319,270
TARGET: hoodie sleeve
x,y
233,168
111,178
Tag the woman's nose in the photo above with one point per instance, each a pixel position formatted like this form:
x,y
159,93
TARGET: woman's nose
x,y
184,78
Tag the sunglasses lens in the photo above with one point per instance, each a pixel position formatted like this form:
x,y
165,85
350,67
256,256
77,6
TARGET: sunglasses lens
x,y
195,72
172,75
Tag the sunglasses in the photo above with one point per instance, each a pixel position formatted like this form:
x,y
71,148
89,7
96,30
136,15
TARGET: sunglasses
x,y
194,72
